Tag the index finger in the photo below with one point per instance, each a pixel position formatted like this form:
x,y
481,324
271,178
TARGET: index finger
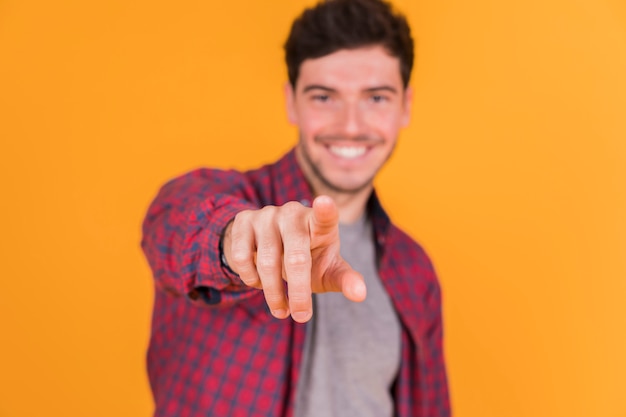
x,y
325,215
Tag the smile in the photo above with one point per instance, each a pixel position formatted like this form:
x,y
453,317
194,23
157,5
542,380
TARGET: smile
x,y
348,152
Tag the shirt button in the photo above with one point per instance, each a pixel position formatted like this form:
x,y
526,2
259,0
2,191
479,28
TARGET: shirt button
x,y
305,203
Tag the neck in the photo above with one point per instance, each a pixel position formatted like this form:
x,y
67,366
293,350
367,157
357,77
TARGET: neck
x,y
351,206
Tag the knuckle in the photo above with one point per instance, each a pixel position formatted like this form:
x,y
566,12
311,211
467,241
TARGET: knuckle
x,y
292,208
239,228
267,262
247,219
263,223
297,258
267,210
292,205
264,216
240,258
242,217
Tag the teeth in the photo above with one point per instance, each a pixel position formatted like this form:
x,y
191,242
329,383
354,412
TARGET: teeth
x,y
348,152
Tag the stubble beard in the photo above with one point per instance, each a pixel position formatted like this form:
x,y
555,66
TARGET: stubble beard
x,y
319,175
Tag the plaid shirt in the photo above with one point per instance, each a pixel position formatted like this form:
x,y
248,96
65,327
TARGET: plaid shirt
x,y
215,349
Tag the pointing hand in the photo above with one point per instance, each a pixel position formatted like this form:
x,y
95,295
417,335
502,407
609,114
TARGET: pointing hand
x,y
296,244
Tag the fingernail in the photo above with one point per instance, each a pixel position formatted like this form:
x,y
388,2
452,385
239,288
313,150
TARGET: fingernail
x,y
280,313
301,316
361,289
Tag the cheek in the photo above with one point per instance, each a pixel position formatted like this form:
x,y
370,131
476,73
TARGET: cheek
x,y
312,123
387,126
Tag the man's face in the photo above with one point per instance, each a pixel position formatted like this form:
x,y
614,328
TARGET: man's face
x,y
349,107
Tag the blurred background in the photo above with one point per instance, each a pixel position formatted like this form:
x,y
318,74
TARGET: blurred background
x,y
512,175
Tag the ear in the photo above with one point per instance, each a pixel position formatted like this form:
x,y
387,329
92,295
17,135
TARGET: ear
x,y
290,102
408,102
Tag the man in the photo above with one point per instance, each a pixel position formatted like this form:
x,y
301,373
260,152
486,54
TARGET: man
x,y
259,310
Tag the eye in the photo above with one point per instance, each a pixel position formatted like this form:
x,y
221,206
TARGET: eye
x,y
322,98
378,98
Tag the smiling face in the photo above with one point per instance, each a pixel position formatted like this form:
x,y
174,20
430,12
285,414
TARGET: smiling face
x,y
349,107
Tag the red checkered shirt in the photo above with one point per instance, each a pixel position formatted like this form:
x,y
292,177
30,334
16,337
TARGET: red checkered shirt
x,y
215,349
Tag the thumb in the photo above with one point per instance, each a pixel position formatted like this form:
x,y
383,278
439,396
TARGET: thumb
x,y
346,280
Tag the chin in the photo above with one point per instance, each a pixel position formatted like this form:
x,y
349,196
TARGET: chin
x,y
348,187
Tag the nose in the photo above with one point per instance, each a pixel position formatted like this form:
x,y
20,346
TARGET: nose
x,y
351,120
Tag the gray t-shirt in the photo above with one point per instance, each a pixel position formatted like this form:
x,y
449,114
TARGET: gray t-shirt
x,y
352,350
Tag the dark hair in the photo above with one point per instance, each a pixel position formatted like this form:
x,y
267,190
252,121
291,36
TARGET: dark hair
x,y
348,24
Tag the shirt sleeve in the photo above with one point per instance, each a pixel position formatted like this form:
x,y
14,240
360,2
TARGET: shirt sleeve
x,y
433,361
182,230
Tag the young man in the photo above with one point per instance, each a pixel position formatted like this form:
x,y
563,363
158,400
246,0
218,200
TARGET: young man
x,y
259,311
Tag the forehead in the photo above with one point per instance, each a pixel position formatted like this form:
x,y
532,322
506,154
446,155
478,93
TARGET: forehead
x,y
352,69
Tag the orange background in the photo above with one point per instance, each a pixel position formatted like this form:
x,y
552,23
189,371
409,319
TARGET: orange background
x,y
512,175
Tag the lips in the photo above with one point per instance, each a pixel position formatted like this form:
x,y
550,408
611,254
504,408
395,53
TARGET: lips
x,y
347,152
348,148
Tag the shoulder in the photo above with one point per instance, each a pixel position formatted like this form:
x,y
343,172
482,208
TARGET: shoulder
x,y
205,176
202,182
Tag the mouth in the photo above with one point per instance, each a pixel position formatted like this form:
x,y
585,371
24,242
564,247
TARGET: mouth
x,y
347,152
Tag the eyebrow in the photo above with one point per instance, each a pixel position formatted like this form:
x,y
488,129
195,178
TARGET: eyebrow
x,y
367,90
382,88
317,87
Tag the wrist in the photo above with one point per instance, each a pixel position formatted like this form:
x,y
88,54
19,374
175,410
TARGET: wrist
x,y
225,240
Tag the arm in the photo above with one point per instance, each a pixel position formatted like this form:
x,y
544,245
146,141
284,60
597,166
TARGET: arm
x,y
181,234
264,246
